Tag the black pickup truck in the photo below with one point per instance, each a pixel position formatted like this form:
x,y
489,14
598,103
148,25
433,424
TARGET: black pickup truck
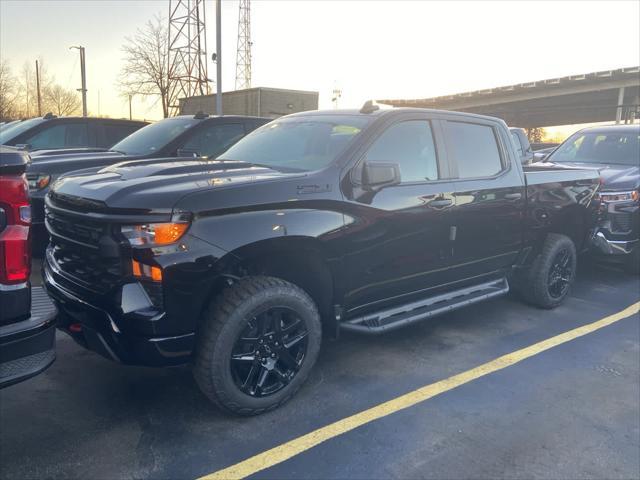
x,y
320,221
182,136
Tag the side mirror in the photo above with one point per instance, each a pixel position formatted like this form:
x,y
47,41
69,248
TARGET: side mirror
x,y
539,157
376,175
187,152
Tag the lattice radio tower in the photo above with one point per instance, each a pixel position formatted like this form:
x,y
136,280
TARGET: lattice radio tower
x,y
187,58
243,58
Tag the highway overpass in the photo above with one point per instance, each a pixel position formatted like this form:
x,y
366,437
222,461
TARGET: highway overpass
x,y
611,95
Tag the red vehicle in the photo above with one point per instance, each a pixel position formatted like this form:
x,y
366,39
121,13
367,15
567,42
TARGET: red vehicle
x,y
27,327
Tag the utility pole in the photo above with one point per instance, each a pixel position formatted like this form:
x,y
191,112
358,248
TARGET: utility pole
x,y
130,116
84,80
218,57
38,88
26,74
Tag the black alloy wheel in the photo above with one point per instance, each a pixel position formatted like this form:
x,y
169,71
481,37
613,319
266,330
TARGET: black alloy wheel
x,y
256,345
560,274
547,281
269,352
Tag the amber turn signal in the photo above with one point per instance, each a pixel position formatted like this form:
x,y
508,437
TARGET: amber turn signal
x,y
169,232
154,233
140,270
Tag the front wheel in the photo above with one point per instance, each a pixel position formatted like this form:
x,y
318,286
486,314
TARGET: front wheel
x,y
548,280
257,345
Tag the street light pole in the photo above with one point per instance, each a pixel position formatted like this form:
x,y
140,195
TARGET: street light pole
x,y
218,57
84,80
38,88
130,116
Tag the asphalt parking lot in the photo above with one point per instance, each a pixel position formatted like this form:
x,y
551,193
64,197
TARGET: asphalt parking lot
x,y
569,412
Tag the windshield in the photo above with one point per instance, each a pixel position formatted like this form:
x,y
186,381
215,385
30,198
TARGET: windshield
x,y
303,143
153,137
606,148
8,124
9,133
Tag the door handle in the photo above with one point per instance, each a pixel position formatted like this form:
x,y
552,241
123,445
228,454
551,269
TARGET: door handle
x,y
441,202
513,196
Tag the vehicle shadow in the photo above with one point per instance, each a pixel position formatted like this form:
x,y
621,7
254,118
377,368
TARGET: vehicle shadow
x,y
99,410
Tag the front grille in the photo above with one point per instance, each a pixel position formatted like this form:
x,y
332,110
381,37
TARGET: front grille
x,y
76,229
86,267
621,222
76,245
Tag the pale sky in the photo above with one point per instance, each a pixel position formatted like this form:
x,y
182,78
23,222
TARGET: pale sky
x,y
369,49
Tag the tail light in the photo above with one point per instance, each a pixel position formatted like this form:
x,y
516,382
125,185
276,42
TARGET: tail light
x,y
15,245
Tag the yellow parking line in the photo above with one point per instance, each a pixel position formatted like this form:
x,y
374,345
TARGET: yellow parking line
x,y
298,445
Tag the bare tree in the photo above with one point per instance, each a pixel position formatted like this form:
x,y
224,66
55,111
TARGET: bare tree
x,y
535,134
62,101
9,92
145,63
28,90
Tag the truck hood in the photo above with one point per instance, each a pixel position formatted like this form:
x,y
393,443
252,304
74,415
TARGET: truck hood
x,y
57,164
67,151
157,185
614,176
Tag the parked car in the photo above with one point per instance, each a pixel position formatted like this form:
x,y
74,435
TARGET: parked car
x,y
52,133
542,154
362,221
27,328
523,148
615,152
182,136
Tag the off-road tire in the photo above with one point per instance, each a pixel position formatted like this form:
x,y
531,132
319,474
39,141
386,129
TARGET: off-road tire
x,y
533,284
223,321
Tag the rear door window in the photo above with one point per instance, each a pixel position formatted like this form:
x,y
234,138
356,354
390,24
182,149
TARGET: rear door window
x,y
474,148
214,139
114,132
62,135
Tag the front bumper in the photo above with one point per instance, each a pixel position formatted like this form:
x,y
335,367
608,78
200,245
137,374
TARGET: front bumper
x,y
602,245
28,347
618,231
109,333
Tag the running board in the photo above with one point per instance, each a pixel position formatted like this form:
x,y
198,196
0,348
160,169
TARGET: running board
x,y
393,318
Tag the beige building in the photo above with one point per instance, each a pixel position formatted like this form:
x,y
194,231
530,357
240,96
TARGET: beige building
x,y
259,102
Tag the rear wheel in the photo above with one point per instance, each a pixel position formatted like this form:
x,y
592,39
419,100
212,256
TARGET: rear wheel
x,y
257,345
548,280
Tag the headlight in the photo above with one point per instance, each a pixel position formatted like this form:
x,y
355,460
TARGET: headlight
x,y
154,233
38,181
630,196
